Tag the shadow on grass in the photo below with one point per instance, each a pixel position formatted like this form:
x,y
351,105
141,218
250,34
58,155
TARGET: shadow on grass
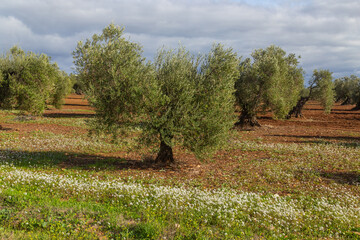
x,y
355,141
341,177
76,105
69,115
350,178
265,117
69,160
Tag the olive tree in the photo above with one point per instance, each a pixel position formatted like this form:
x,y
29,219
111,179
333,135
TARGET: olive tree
x,y
321,88
180,98
347,89
63,87
113,76
271,80
195,100
29,81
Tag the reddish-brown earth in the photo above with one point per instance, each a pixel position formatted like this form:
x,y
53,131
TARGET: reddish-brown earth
x,y
341,125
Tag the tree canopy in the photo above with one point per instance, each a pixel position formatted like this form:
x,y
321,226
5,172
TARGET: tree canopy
x,y
347,90
271,80
195,101
113,74
179,98
321,88
30,81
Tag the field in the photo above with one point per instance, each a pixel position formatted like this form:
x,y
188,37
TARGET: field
x,y
290,179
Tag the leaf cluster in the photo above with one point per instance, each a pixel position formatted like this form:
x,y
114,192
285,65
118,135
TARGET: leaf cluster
x,y
322,88
112,73
195,97
271,80
29,81
347,89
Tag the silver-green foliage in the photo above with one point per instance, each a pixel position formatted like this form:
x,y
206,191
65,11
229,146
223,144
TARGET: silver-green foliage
x,y
219,72
347,89
323,88
63,87
272,80
195,97
28,80
113,75
180,97
170,111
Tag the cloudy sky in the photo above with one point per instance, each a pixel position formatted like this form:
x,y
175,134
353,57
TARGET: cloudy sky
x,y
325,33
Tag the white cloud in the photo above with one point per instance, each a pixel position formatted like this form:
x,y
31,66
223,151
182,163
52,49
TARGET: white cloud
x,y
325,33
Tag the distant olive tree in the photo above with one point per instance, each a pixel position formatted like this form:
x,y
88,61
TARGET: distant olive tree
x,y
271,80
321,89
347,90
63,87
29,81
77,86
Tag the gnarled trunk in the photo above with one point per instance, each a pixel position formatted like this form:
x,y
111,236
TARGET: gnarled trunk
x,y
297,110
346,102
165,154
247,120
357,107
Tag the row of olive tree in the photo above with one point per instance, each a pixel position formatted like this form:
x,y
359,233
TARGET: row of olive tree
x,y
273,80
322,88
347,90
186,98
28,82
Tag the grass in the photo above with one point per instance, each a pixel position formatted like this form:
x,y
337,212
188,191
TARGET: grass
x,y
72,186
38,200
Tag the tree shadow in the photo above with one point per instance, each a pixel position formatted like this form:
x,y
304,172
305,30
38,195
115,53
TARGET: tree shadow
x,y
71,160
313,109
340,177
265,117
68,115
344,113
312,142
76,96
5,128
76,105
349,178
342,110
321,139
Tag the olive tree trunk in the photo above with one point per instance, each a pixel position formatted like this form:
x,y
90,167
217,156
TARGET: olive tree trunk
x,y
165,154
247,120
297,110
357,107
346,102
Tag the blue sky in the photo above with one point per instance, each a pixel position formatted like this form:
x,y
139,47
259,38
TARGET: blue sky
x,y
326,33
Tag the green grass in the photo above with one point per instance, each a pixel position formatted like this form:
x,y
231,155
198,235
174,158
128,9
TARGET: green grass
x,y
64,186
